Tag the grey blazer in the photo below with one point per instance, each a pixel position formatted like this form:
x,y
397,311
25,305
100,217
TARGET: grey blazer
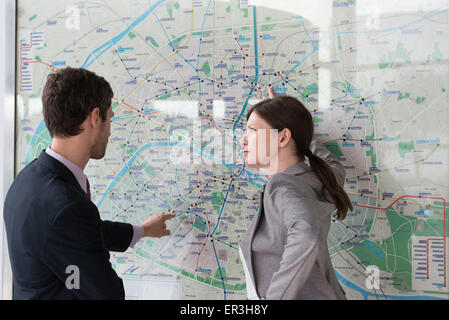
x,y
285,247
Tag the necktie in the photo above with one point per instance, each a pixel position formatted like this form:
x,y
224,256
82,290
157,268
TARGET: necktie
x,y
88,188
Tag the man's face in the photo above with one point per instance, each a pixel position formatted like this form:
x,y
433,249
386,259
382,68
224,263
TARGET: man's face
x,y
99,148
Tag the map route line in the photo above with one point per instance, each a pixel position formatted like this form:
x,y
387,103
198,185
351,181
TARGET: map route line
x,y
425,17
115,99
239,50
169,42
256,70
146,79
359,45
256,77
199,50
131,161
366,293
377,197
429,239
222,207
344,280
396,167
118,37
219,268
191,25
361,103
210,235
190,213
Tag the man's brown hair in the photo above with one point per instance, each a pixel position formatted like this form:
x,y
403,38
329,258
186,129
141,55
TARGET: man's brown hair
x,y
69,95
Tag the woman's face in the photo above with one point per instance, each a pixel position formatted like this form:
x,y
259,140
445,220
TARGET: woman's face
x,y
260,143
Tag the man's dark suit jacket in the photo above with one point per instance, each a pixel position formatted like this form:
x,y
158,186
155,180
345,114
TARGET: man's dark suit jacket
x,y
50,225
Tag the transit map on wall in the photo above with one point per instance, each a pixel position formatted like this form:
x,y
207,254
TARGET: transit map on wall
x,y
374,74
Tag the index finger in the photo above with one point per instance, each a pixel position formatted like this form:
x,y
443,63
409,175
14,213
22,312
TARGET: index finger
x,y
168,216
271,92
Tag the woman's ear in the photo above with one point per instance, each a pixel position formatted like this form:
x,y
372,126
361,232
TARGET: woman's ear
x,y
284,137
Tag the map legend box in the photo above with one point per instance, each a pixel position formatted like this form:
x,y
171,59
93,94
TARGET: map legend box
x,y
429,269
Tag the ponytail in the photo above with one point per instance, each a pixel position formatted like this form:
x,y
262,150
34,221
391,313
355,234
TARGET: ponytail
x,y
330,184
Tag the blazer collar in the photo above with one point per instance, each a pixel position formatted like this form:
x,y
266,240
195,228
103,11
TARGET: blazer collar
x,y
59,169
297,169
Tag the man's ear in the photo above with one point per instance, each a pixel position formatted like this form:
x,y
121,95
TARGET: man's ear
x,y
95,117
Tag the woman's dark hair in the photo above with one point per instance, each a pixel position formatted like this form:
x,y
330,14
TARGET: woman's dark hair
x,y
68,97
287,112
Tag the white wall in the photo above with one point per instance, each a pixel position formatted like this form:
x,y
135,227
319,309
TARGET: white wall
x,y
7,65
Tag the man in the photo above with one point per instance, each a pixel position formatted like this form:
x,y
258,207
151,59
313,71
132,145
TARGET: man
x,y
53,229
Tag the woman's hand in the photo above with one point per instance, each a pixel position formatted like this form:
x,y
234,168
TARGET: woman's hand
x,y
270,92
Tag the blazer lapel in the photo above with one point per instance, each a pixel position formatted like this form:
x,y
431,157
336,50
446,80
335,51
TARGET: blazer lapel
x,y
247,243
253,227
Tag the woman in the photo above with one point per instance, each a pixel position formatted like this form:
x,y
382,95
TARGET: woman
x,y
284,251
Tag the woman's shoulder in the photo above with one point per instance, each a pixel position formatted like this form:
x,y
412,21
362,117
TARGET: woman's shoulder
x,y
302,185
305,190
298,184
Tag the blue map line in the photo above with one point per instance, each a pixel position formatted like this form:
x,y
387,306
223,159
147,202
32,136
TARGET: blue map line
x,y
352,121
314,49
128,165
161,144
250,175
219,269
394,28
256,58
301,61
307,33
199,82
222,206
119,37
339,98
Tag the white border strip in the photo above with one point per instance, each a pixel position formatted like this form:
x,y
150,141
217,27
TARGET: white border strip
x,y
7,127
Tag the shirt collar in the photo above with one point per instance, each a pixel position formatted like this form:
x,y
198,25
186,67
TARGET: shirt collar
x,y
77,172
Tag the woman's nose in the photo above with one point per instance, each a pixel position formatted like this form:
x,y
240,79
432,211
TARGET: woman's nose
x,y
243,141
